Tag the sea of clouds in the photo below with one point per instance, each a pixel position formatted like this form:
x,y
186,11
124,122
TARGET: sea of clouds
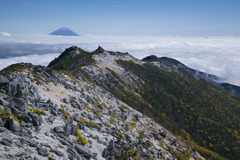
x,y
215,55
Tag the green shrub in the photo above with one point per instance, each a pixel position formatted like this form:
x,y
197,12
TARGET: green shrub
x,y
114,116
64,113
81,139
134,119
4,113
122,109
90,123
163,134
130,152
121,135
95,112
133,125
150,144
111,120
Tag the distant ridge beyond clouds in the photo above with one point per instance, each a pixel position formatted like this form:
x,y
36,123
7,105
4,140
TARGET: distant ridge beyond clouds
x,y
64,31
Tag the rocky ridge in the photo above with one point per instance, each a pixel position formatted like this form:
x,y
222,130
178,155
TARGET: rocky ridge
x,y
49,115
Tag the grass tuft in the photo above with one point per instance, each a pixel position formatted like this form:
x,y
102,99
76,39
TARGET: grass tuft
x,y
81,138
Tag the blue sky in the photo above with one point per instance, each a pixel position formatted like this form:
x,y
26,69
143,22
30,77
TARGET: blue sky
x,y
122,17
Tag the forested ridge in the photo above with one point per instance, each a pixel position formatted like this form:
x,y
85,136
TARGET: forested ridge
x,y
196,110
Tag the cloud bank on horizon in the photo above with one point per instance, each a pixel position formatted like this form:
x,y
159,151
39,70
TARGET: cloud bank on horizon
x,y
215,55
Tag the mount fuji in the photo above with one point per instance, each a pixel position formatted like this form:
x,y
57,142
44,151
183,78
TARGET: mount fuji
x,y
64,31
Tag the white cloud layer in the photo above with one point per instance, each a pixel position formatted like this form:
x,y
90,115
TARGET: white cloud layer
x,y
215,55
4,34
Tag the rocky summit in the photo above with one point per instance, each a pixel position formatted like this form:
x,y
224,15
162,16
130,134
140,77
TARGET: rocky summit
x,y
85,106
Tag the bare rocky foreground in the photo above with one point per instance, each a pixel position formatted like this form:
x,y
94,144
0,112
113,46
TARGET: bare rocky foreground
x,y
48,115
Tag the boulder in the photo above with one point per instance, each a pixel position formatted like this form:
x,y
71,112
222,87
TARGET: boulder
x,y
59,130
51,118
14,125
20,104
74,130
7,136
84,150
36,119
2,129
4,142
3,80
42,151
67,129
3,102
28,140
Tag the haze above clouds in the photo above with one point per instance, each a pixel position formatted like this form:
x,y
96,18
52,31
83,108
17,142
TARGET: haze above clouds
x,y
216,55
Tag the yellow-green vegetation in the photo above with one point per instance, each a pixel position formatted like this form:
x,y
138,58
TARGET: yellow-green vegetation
x,y
181,155
150,144
25,92
4,113
133,125
86,76
114,116
48,154
127,129
121,135
99,99
36,75
81,139
90,123
130,152
96,102
136,158
122,109
67,63
16,119
89,100
178,94
123,120
95,137
111,120
163,134
139,131
54,83
95,112
134,119
106,106
150,155
39,112
133,134
164,153
64,113
142,136
98,109
14,67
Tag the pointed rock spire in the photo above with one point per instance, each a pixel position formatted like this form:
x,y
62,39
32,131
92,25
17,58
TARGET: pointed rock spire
x,y
99,50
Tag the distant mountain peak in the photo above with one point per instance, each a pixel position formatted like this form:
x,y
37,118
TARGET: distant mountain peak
x,y
99,50
64,31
